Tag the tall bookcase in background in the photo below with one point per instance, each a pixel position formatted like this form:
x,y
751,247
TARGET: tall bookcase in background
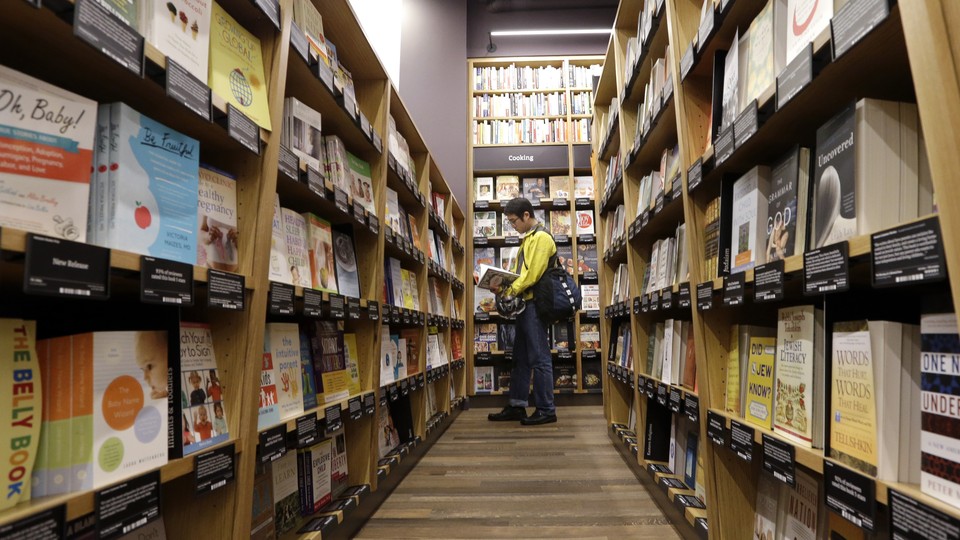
x,y
267,172
530,119
741,288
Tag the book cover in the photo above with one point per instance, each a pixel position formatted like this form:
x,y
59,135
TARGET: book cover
x,y
180,29
798,416
400,365
585,223
561,336
339,469
48,154
306,371
320,252
748,230
236,67
156,187
411,339
361,182
492,278
262,526
508,258
352,355
295,239
507,228
690,460
278,271
761,69
321,473
388,356
506,335
269,411
484,224
940,358
21,377
689,380
205,419
787,208
485,337
586,258
583,187
302,132
765,518
283,342
286,500
456,344
730,103
387,436
407,288
348,278
308,19
128,371
414,231
834,189
559,187
798,508
759,396
590,294
483,188
535,189
218,245
508,187
483,378
560,223
806,19
329,361
589,336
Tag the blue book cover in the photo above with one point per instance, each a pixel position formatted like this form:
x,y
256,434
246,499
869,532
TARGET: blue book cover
x,y
306,372
156,181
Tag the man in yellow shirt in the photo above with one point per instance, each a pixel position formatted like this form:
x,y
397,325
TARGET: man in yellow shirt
x,y
531,347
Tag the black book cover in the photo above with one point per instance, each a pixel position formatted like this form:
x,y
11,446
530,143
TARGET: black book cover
x,y
657,432
726,221
716,113
782,207
587,255
402,418
834,188
507,334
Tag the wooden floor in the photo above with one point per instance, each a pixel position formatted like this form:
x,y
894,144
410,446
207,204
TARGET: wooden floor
x,y
502,480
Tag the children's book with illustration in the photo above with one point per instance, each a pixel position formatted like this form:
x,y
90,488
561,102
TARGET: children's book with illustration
x,y
236,67
205,416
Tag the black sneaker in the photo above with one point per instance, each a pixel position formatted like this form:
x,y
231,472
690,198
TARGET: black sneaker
x,y
508,414
538,418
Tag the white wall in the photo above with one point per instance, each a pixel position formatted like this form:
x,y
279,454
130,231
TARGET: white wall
x,y
381,22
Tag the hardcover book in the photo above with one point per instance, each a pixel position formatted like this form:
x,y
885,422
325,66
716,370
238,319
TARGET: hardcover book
x,y
262,525
765,518
762,67
485,337
348,278
508,187
583,187
218,246
269,411
759,395
205,419
483,188
298,255
411,340
589,336
560,223
798,507
302,133
352,356
361,183
279,270
585,222
787,208
484,224
339,469
559,187
798,392
834,190
236,67
484,379
329,361
47,163
286,500
730,104
940,358
282,340
586,258
180,29
321,256
748,231
805,20
306,372
21,436
535,189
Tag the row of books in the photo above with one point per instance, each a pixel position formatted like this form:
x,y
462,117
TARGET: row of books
x,y
493,337
307,251
608,119
669,262
399,148
533,188
620,287
400,353
870,172
552,104
326,154
497,378
581,103
515,77
670,356
581,130
638,45
583,76
784,511
659,182
616,225
614,171
304,366
436,295
506,257
558,222
661,75
400,286
525,131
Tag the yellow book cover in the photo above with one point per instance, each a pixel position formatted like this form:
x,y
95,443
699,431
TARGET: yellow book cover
x,y
732,393
853,409
236,67
759,403
352,355
21,408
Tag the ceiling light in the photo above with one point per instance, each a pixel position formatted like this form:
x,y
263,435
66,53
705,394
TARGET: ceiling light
x,y
551,32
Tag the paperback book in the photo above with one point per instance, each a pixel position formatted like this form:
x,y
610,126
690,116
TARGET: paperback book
x,y
236,67
219,239
205,419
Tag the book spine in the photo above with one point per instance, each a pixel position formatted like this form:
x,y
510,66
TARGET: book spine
x,y
113,174
81,433
41,467
58,429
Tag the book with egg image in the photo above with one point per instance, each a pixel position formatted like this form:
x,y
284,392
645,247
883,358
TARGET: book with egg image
x,y
346,259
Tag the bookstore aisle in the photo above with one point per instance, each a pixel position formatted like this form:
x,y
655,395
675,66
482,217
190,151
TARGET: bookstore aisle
x,y
503,480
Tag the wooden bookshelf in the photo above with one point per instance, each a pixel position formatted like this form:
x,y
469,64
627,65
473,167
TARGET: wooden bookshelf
x,y
895,60
57,56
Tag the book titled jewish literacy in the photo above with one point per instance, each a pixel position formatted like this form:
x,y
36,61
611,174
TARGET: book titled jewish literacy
x,y
47,138
492,277
180,29
205,418
236,67
156,183
21,409
218,244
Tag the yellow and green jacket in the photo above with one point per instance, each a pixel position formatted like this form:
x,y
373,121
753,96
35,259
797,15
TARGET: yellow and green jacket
x,y
537,247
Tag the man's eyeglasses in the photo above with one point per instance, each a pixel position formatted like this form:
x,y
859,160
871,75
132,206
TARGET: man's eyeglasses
x,y
513,221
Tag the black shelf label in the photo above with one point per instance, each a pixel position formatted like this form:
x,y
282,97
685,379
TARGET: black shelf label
x,y
644,220
691,407
188,90
289,164
706,28
376,140
273,443
658,204
747,124
663,393
686,62
854,21
676,400
110,35
586,239
373,310
479,240
582,202
560,203
333,419
63,268
298,40
733,289
908,254
716,428
795,77
705,296
404,387
827,270
316,182
394,393
359,213
645,303
281,298
242,129
270,8
688,501
320,524
655,301
851,495
666,298
46,525
353,308
337,306
307,431
741,440
694,175
684,295
369,403
912,520
165,282
668,482
341,200
779,459
215,469
724,146
481,205
701,528
125,507
651,388
515,241
768,282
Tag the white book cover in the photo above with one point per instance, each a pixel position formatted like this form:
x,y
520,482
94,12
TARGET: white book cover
x,y
585,224
180,29
583,187
279,271
348,278
666,350
590,294
806,19
483,188
433,351
323,274
730,103
205,419
321,459
396,280
393,211
155,184
749,224
388,356
400,367
795,416
218,245
295,239
130,393
304,128
48,140
283,343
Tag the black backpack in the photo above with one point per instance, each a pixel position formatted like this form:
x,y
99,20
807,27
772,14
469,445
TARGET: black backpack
x,y
556,295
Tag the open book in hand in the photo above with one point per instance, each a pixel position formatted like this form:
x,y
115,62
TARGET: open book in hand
x,y
492,277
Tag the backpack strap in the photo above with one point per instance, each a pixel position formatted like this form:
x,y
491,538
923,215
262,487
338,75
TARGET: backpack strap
x,y
553,258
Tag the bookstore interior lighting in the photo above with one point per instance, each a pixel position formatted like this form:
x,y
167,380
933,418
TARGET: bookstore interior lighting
x,y
207,206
